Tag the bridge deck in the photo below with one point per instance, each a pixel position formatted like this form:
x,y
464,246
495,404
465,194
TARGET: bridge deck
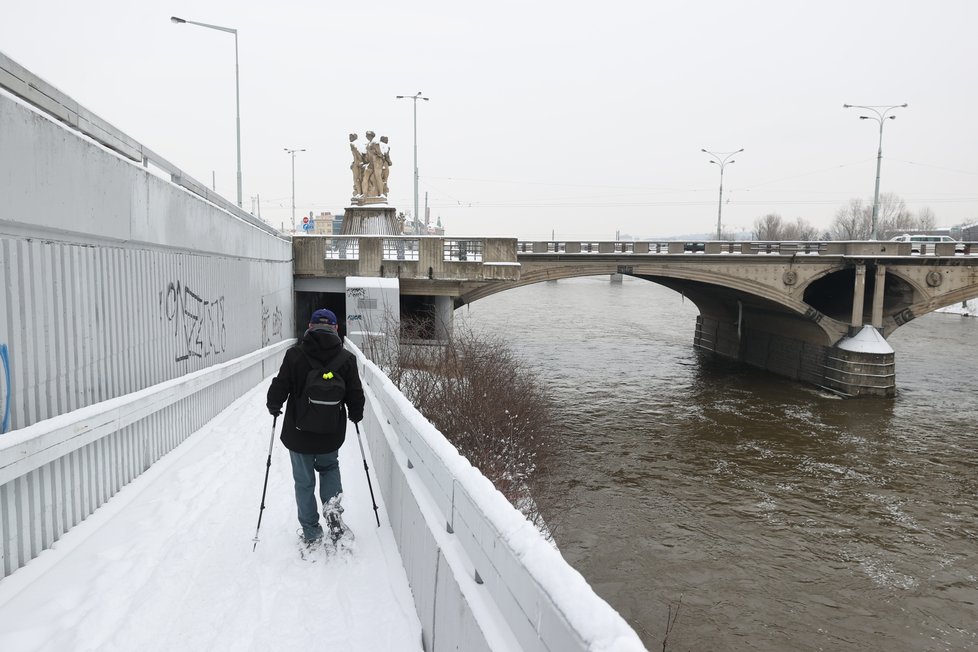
x,y
167,563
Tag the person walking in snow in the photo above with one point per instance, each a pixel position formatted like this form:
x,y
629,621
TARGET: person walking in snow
x,y
316,449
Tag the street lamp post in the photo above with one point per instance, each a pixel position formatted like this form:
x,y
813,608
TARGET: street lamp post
x,y
292,154
417,96
721,160
881,117
237,85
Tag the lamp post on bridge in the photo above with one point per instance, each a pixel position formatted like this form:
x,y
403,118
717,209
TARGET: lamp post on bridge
x,y
292,154
417,96
721,160
881,117
237,84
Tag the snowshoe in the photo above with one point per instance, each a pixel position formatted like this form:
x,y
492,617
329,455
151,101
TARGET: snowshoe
x,y
308,546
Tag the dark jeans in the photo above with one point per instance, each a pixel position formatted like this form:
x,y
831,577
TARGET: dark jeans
x,y
304,469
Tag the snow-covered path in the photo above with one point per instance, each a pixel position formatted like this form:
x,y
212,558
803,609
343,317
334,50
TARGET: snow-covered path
x,y
167,564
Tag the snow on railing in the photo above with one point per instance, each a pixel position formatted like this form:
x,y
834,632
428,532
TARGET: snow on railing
x,y
56,472
772,247
483,577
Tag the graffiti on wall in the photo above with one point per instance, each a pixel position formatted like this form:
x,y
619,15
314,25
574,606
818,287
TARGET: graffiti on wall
x,y
271,324
198,324
4,388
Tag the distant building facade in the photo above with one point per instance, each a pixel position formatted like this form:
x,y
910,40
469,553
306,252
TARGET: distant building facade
x,y
416,227
325,224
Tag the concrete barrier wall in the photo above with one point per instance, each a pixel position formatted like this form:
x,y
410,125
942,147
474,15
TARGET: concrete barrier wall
x,y
131,310
113,279
482,576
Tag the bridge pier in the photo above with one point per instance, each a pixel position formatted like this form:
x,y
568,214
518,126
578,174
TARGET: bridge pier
x,y
859,366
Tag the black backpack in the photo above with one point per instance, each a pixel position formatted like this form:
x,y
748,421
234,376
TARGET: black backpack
x,y
319,408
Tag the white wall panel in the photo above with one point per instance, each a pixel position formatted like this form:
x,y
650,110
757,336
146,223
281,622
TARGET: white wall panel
x,y
114,279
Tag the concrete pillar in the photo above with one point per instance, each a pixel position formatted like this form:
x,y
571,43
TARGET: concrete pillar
x,y
444,317
859,297
878,297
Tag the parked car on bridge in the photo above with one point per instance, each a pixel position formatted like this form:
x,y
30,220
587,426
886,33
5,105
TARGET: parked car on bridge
x,y
919,242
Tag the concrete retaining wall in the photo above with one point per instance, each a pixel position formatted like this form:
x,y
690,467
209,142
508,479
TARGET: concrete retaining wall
x,y
482,576
131,310
113,279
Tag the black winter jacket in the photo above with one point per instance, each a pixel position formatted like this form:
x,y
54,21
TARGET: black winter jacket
x,y
323,346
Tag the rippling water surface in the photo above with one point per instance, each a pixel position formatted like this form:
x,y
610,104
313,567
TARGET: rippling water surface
x,y
781,518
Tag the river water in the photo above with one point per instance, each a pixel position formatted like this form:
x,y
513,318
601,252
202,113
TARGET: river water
x,y
772,515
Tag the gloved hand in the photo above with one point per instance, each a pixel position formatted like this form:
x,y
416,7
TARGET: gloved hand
x,y
356,418
274,411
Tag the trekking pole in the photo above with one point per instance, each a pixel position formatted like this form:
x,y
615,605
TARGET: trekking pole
x,y
367,471
268,467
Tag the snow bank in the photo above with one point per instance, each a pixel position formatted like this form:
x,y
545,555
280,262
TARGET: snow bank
x,y
967,308
868,340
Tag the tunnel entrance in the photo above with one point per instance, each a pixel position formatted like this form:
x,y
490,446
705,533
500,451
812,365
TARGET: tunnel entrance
x,y
308,302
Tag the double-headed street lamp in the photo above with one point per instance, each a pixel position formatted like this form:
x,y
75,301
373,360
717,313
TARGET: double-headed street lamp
x,y
880,117
237,85
417,96
721,160
292,153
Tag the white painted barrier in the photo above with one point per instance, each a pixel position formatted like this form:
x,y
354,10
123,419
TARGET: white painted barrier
x,y
112,278
483,577
56,472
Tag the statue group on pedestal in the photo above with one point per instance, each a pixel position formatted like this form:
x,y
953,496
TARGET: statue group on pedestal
x,y
371,167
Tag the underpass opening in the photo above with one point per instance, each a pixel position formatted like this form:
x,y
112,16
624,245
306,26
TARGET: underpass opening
x,y
832,294
418,317
308,302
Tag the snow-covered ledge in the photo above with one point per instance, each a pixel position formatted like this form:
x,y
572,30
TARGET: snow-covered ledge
x,y
56,472
482,576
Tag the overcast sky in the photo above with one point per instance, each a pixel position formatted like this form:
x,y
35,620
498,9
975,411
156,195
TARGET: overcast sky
x,y
564,118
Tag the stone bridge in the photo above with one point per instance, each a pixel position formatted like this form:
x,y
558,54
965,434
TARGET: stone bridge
x,y
798,309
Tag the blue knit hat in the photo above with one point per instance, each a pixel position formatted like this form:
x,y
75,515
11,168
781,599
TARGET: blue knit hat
x,y
323,316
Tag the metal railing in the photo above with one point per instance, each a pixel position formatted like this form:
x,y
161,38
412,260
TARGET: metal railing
x,y
345,248
744,247
55,473
463,250
401,249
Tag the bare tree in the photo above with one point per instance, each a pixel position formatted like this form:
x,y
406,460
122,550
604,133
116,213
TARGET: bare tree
x,y
800,229
926,219
768,227
852,221
893,214
773,227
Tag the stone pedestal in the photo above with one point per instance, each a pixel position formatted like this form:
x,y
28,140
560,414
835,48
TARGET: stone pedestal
x,y
376,219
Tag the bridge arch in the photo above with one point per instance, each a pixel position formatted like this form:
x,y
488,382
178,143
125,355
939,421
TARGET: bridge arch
x,y
716,294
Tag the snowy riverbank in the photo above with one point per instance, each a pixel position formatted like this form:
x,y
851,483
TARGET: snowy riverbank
x,y
968,308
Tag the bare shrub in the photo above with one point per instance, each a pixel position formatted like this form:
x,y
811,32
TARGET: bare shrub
x,y
488,403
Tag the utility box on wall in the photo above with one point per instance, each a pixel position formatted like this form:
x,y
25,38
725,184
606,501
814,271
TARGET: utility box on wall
x,y
373,312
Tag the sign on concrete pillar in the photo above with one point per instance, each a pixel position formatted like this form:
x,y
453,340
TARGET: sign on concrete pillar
x,y
373,313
